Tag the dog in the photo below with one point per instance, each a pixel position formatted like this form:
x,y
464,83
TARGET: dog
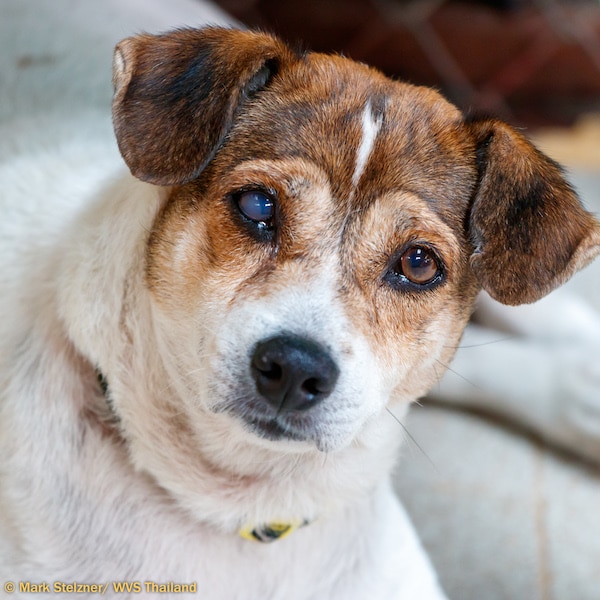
x,y
213,352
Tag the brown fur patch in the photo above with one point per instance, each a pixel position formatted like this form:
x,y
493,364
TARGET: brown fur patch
x,y
528,227
407,327
177,94
460,186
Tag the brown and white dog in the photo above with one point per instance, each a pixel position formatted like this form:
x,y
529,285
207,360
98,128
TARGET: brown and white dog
x,y
223,348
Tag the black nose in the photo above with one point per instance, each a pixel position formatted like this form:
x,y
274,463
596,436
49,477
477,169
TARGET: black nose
x,y
293,373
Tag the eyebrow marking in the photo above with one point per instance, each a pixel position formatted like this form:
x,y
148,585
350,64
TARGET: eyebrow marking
x,y
370,129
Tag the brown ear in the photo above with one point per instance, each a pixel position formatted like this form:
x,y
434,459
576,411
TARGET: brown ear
x,y
176,95
527,225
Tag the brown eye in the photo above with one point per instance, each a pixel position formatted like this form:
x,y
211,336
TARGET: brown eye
x,y
417,267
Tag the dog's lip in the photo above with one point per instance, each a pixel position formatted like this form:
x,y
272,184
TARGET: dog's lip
x,y
273,430
265,423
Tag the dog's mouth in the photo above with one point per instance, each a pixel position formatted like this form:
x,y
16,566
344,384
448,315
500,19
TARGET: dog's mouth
x,y
321,428
274,430
271,425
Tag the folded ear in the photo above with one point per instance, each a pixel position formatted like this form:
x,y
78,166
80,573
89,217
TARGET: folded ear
x,y
527,225
176,95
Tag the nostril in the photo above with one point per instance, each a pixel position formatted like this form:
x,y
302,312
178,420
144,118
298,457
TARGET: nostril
x,y
319,386
269,370
293,373
311,386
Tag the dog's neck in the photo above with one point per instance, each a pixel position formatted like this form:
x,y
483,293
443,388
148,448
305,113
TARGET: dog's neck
x,y
264,533
250,516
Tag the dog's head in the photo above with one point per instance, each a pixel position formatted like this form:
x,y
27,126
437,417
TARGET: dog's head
x,y
326,229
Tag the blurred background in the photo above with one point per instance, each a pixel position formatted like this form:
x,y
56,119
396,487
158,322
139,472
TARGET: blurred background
x,y
533,62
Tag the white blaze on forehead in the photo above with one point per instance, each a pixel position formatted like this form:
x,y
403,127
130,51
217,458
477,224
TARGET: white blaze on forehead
x,y
370,129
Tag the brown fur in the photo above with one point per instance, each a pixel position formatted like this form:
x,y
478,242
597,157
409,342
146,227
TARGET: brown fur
x,y
528,227
169,87
497,210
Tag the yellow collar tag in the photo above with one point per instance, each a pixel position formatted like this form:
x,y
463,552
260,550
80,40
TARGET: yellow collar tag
x,y
270,532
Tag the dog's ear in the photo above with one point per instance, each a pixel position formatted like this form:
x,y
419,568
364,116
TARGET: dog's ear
x,y
528,228
176,95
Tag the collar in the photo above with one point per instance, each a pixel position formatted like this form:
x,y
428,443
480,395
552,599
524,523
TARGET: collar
x,y
270,532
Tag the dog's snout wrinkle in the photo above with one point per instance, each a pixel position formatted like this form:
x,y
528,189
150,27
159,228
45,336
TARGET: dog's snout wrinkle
x,y
293,373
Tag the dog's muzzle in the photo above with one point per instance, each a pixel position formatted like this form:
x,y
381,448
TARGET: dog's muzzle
x,y
293,373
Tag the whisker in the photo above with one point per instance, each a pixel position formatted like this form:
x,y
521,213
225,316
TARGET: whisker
x,y
471,383
499,340
437,375
411,438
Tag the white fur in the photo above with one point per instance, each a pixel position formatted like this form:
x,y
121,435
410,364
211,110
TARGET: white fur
x,y
370,129
162,501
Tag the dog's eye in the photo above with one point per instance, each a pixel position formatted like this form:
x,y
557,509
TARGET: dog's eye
x,y
419,265
416,267
256,205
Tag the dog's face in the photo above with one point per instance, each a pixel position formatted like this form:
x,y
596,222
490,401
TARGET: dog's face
x,y
300,285
326,230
